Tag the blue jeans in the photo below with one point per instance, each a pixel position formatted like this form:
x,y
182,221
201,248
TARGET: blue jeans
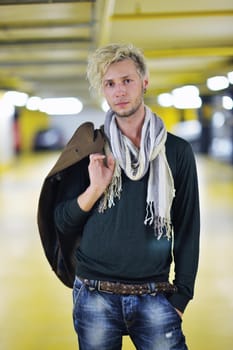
x,y
101,319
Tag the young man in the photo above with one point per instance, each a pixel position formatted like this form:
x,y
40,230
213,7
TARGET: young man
x,y
125,204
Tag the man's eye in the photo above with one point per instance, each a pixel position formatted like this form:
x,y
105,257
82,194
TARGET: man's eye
x,y
127,81
109,84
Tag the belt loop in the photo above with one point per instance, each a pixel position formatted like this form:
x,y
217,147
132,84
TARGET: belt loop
x,y
98,286
95,283
91,284
152,287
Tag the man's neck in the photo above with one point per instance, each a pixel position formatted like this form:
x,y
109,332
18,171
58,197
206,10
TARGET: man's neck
x,y
131,127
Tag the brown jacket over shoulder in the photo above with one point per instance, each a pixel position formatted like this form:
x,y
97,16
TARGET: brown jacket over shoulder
x,y
59,250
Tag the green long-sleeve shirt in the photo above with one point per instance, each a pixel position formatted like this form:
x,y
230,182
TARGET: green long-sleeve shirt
x,y
117,245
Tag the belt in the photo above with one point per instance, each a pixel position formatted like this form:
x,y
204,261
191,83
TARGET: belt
x,y
130,289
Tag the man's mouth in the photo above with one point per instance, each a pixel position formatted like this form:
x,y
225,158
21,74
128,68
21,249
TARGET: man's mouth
x,y
121,103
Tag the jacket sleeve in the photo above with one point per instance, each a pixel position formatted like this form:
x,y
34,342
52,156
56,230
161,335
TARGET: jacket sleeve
x,y
186,223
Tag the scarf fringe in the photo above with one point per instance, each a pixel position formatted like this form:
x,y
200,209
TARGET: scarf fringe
x,y
162,226
113,191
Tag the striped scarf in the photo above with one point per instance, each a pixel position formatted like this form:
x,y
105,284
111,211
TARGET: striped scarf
x,y
135,163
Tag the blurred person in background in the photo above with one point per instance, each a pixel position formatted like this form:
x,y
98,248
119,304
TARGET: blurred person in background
x,y
119,206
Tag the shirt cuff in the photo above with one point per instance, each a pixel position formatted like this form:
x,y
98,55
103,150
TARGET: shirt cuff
x,y
179,301
75,211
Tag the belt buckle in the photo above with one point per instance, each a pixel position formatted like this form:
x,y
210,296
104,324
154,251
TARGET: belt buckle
x,y
102,290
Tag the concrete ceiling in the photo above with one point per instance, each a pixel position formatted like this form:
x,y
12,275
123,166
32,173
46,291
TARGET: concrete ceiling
x,y
44,45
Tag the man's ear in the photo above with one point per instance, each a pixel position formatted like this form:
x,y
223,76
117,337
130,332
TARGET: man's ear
x,y
145,83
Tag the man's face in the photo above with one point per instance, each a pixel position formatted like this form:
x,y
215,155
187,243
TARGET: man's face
x,y
123,88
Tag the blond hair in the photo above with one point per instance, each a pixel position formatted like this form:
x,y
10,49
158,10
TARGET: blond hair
x,y
101,59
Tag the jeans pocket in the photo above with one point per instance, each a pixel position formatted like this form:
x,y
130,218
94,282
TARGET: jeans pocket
x,y
77,288
167,302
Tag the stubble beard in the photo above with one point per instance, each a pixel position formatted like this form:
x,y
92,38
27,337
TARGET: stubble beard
x,y
132,111
129,113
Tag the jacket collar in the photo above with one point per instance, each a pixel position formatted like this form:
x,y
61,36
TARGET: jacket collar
x,y
86,140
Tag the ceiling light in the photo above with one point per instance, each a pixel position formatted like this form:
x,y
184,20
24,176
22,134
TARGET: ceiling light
x,y
61,106
186,97
33,103
230,77
227,102
16,98
186,90
218,119
165,100
217,83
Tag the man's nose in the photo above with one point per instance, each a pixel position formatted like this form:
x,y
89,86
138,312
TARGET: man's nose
x,y
120,90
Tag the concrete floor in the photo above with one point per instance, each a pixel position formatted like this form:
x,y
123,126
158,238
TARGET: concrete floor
x,y
35,308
